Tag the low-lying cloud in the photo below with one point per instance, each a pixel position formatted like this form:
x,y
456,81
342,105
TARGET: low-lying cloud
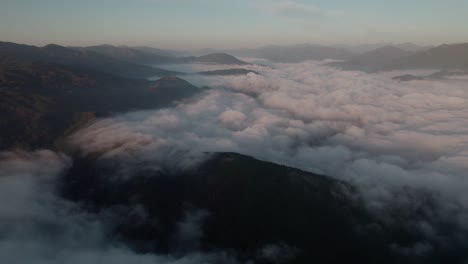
x,y
380,134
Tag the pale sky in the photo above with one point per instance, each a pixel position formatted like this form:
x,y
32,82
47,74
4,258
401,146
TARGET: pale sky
x,y
231,24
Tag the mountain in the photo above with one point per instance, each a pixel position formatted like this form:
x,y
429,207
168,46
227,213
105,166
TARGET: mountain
x,y
296,53
156,51
214,58
250,204
407,78
133,55
408,46
247,206
39,103
146,55
436,75
372,60
444,57
228,72
55,54
364,48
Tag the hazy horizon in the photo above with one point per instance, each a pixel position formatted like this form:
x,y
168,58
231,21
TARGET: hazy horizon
x,y
184,24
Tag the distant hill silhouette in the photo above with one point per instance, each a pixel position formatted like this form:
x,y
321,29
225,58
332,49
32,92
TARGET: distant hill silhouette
x,y
55,54
444,57
437,75
160,52
407,78
228,72
214,58
372,60
296,53
134,55
363,48
147,55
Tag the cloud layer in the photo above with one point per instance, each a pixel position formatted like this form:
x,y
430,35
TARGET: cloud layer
x,y
380,134
404,145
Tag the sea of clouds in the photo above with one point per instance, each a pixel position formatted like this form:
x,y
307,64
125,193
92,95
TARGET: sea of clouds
x,y
389,138
364,128
382,135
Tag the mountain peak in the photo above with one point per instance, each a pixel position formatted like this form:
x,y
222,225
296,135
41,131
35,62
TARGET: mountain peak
x,y
389,48
172,83
54,47
220,58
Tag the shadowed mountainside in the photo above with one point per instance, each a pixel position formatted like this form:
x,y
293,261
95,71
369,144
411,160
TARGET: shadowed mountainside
x,y
40,102
247,205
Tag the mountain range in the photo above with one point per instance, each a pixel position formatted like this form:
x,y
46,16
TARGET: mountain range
x,y
369,58
47,92
79,59
151,56
295,53
228,72
41,84
363,48
374,59
444,57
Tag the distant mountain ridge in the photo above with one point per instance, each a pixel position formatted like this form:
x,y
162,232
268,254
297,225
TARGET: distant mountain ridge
x,y
59,55
372,60
228,72
160,52
130,54
387,57
296,53
216,58
364,48
444,57
151,56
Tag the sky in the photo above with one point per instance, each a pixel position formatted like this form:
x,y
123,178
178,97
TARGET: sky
x,y
193,24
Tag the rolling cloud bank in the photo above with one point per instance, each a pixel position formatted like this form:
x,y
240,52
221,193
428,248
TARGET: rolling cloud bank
x,y
404,145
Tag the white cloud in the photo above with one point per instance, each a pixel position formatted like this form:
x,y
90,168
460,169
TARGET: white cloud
x,y
380,134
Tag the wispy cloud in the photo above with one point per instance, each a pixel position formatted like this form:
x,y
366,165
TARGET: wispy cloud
x,y
291,9
304,16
